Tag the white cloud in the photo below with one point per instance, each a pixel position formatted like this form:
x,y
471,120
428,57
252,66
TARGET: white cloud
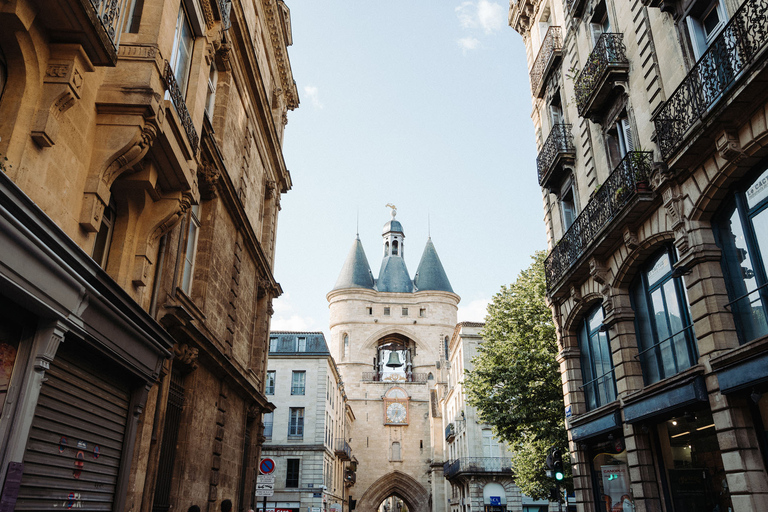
x,y
313,94
485,15
474,311
286,318
468,43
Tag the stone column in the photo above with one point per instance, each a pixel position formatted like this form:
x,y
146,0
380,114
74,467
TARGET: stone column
x,y
642,469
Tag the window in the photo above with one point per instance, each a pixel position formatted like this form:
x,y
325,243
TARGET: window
x,y
665,337
302,344
181,55
490,446
104,235
600,23
370,311
268,421
191,252
742,234
405,311
292,473
346,347
422,312
396,451
445,348
705,21
269,388
386,311
568,204
297,382
210,98
133,20
273,344
598,379
555,111
619,139
296,424
394,248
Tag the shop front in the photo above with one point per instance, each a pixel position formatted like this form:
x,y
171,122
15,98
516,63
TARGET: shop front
x,y
494,498
279,506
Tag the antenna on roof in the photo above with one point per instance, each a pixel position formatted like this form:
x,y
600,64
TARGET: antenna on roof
x,y
429,226
357,226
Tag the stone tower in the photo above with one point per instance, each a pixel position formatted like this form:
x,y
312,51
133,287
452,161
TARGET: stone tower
x,y
389,336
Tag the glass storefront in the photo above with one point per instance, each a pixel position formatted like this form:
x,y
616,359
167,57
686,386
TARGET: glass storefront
x,y
610,475
693,466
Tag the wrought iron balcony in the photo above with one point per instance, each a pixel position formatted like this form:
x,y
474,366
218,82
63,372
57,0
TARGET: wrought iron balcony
x,y
450,432
181,107
605,65
549,53
556,151
728,57
628,180
342,450
477,465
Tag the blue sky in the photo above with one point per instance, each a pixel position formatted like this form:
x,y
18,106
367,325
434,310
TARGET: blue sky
x,y
421,103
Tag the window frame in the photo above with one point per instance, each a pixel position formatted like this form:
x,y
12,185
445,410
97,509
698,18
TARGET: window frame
x,y
181,74
298,382
590,338
292,473
296,422
269,382
103,244
190,251
694,21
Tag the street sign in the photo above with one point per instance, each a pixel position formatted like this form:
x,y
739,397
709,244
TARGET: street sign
x,y
265,489
267,466
265,479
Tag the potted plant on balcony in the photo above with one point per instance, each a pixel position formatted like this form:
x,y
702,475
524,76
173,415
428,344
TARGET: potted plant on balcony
x,y
637,160
620,194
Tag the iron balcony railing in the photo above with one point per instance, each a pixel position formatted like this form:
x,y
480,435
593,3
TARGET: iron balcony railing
x,y
607,202
450,432
669,356
476,465
609,52
600,391
559,142
550,49
342,449
297,390
110,14
181,107
730,54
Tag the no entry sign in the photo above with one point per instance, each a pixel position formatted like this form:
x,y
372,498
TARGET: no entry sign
x,y
267,466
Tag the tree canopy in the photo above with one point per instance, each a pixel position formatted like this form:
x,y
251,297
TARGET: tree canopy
x,y
515,382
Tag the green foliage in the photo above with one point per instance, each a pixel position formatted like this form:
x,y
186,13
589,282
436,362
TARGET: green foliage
x,y
515,382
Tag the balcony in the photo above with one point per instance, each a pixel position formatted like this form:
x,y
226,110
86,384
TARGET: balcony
x,y
550,53
181,107
450,432
730,58
557,151
606,65
477,466
623,196
376,377
342,450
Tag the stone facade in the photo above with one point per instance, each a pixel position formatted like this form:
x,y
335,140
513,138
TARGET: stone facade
x,y
323,464
651,123
142,172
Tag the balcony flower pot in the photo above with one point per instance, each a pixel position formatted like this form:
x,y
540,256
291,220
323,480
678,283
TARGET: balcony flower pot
x,y
642,186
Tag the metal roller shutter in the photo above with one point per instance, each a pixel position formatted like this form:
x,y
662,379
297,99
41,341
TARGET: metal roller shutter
x,y
75,445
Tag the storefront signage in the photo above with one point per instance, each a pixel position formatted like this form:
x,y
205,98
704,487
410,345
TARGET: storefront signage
x,y
495,500
615,483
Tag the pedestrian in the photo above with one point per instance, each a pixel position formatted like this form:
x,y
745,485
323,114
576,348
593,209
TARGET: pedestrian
x,y
193,508
226,506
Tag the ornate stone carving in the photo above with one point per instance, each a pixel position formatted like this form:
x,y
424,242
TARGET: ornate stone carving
x,y
630,239
601,275
186,355
207,13
208,177
673,204
273,22
575,294
727,144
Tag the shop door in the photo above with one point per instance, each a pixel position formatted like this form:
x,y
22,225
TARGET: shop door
x,y
76,440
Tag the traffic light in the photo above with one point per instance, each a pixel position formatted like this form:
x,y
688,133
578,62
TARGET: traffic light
x,y
557,464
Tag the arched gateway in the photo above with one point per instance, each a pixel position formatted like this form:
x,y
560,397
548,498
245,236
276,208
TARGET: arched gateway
x,y
396,483
387,336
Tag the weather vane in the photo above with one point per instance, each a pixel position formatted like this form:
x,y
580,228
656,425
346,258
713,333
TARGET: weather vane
x,y
394,209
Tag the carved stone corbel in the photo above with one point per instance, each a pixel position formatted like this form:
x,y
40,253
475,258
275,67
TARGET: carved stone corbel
x,y
728,146
630,239
601,275
185,355
62,86
208,175
575,294
673,204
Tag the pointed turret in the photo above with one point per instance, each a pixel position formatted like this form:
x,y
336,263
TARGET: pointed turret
x,y
356,273
430,275
393,275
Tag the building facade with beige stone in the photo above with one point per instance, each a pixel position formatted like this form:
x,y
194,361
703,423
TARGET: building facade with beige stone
x,y
650,119
141,178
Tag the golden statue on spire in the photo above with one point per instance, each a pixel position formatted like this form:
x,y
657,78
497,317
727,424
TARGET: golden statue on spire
x,y
394,209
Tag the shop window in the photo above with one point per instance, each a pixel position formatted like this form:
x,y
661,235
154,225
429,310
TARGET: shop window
x,y
298,382
761,421
664,331
292,473
742,234
191,252
693,463
181,55
610,475
598,378
104,235
269,388
296,422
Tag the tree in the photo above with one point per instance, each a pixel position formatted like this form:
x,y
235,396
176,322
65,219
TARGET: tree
x,y
515,382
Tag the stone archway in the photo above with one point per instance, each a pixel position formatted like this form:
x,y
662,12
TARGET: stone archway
x,y
401,485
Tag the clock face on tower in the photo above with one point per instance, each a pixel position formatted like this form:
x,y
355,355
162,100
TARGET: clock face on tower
x,y
396,413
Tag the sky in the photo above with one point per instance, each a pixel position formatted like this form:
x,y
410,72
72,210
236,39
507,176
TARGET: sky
x,y
424,104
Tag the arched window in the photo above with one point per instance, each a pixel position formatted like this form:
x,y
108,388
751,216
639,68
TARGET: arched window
x,y
394,248
386,248
664,334
445,347
598,379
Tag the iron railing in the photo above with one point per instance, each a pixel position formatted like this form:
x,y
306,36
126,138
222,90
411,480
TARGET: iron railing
x,y
749,311
560,141
110,14
600,391
609,51
450,432
729,55
342,449
669,356
477,465
377,377
181,107
550,47
607,202
297,390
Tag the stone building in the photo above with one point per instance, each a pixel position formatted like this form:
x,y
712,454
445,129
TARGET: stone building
x,y
307,434
387,336
478,469
650,118
140,149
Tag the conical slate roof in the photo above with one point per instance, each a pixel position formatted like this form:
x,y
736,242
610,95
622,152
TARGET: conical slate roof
x,y
356,273
430,275
393,276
